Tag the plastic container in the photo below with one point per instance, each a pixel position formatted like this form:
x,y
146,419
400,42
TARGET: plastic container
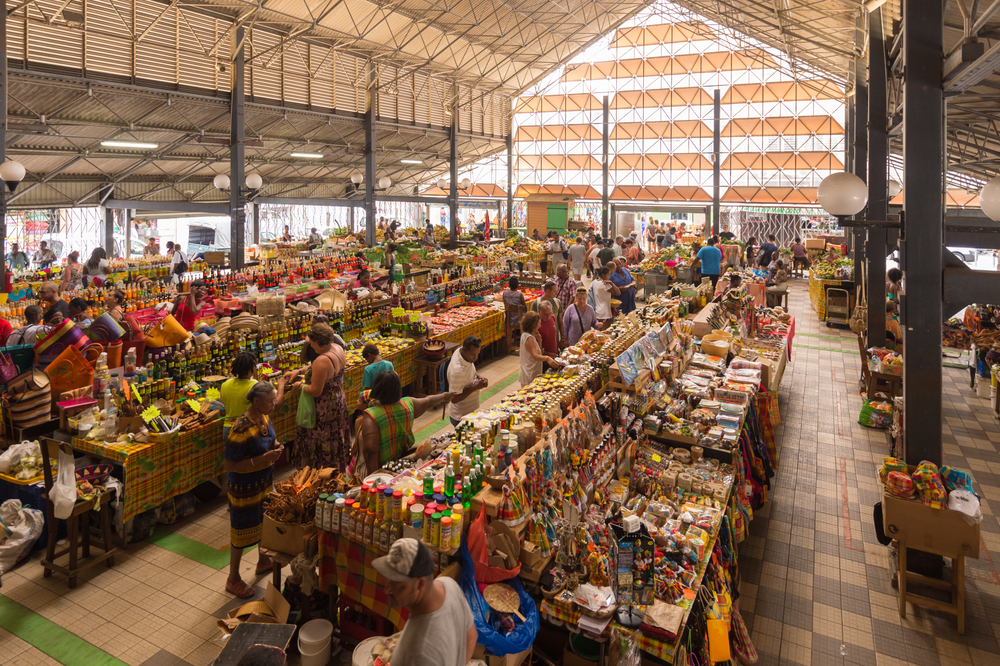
x,y
315,638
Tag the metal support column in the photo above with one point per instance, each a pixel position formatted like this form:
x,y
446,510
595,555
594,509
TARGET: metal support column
x,y
255,212
605,158
453,173
3,144
849,158
878,194
129,216
860,166
108,232
350,218
716,164
237,156
923,230
510,177
371,102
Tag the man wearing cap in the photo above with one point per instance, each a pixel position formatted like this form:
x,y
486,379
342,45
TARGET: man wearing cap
x,y
440,630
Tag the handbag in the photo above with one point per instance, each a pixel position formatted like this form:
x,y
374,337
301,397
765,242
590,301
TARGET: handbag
x,y
167,333
28,398
72,370
8,369
859,318
66,334
106,328
305,417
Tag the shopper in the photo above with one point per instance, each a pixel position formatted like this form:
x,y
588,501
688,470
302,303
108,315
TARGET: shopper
x,y
56,309
531,356
376,365
27,334
315,239
234,391
251,449
16,259
577,257
513,298
386,430
178,264
390,262
579,317
327,444
5,329
549,296
114,301
650,235
766,250
152,248
440,630
632,252
601,291
594,257
711,261
548,329
799,255
777,283
751,252
95,271
170,248
77,309
44,256
72,275
619,246
187,306
894,282
622,278
606,254
464,381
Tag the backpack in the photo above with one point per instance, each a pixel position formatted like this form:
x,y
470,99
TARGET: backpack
x,y
642,255
760,256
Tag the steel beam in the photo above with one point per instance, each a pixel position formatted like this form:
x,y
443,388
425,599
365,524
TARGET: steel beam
x,y
975,72
453,175
605,162
255,213
860,166
108,232
510,176
371,102
923,231
878,190
128,216
292,201
716,161
169,206
963,286
984,17
237,150
3,143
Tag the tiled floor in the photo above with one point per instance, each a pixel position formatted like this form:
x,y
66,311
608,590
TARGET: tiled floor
x,y
815,589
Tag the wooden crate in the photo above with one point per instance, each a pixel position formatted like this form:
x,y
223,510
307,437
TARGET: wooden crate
x,y
216,258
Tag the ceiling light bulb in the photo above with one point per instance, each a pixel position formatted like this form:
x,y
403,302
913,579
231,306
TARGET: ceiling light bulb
x,y
894,188
442,183
254,181
466,183
411,161
129,144
308,156
842,194
384,182
357,178
221,182
989,199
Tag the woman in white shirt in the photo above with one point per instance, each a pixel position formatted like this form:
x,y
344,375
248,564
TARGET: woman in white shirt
x,y
532,357
603,289
96,268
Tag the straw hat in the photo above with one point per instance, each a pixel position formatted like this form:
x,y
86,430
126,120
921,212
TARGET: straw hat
x,y
201,339
245,320
331,299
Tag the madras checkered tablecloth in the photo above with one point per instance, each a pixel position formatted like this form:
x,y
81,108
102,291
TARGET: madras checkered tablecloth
x,y
560,611
157,471
817,293
348,564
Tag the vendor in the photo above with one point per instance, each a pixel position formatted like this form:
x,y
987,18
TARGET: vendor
x,y
188,306
315,239
56,309
532,357
464,380
376,365
777,283
152,248
77,310
364,280
631,251
751,252
234,391
390,262
251,449
440,630
427,240
735,282
114,301
579,317
287,236
386,431
16,259
622,278
894,282
893,333
44,256
800,257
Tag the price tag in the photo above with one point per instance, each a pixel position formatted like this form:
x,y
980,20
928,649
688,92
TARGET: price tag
x,y
398,312
137,396
656,458
150,413
212,393
126,389
194,405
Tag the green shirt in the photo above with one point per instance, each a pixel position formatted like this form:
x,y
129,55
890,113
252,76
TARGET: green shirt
x,y
373,371
234,397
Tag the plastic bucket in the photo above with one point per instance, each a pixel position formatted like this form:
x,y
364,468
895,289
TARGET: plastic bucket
x,y
983,387
316,656
315,633
364,650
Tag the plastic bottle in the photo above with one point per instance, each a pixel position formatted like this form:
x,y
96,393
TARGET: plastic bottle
x,y
321,511
457,516
337,514
101,375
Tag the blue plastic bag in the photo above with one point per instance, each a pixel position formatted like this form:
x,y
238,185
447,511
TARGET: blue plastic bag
x,y
496,643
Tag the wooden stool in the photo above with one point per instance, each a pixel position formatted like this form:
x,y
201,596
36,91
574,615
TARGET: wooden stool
x,y
509,328
81,514
880,382
428,370
957,585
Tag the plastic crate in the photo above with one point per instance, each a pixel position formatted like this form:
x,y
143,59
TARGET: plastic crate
x,y
31,496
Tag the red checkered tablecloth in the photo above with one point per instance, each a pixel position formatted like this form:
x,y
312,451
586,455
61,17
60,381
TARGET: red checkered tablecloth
x,y
348,563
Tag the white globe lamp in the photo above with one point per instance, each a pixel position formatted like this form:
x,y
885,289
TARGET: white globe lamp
x,y
989,199
894,188
502,184
12,173
221,182
842,194
357,178
254,181
442,183
466,183
384,182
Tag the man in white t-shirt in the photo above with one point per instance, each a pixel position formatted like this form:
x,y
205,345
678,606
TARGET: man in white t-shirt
x,y
463,380
179,257
440,630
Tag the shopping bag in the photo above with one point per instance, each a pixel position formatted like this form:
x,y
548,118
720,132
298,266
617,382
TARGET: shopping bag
x,y
305,417
114,351
20,528
875,414
481,557
106,328
63,492
66,334
28,398
71,370
167,333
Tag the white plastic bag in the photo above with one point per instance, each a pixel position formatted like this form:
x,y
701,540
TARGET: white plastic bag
x,y
63,493
13,455
19,531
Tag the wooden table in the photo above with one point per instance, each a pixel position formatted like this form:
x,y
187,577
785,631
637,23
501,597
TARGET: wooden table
x,y
428,370
249,634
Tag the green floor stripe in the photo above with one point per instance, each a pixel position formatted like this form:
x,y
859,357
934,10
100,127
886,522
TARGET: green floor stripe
x,y
829,349
435,427
60,644
824,337
191,549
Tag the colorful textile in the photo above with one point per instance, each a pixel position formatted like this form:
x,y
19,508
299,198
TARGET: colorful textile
x,y
566,290
395,429
348,564
247,490
329,443
899,484
157,471
890,464
927,479
956,479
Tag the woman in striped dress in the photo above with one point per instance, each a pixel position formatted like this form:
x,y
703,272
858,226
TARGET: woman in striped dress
x,y
250,454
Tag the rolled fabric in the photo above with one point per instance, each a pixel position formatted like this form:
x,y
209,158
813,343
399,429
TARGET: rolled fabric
x,y
899,484
931,489
956,479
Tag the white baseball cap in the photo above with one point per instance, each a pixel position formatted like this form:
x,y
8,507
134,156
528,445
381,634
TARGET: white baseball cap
x,y
407,559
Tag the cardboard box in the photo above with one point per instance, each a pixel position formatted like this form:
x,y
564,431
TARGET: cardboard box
x,y
285,537
506,660
273,609
936,530
529,554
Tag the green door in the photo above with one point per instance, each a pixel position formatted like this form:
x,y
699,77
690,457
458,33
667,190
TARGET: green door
x,y
557,218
